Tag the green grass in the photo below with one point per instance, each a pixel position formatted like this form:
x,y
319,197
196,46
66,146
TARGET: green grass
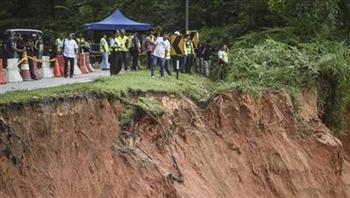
x,y
152,106
195,86
128,115
143,104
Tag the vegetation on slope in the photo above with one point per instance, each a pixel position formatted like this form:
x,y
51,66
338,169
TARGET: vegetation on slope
x,y
278,59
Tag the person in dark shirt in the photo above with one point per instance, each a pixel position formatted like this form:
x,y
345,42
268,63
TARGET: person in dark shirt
x,y
30,49
11,46
36,45
199,58
206,54
135,49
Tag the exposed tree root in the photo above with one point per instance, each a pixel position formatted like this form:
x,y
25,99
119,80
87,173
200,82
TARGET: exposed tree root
x,y
128,144
8,138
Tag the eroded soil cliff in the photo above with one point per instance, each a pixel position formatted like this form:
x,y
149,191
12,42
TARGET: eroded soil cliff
x,y
236,146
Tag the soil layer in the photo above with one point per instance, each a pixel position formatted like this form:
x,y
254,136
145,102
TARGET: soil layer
x,y
237,146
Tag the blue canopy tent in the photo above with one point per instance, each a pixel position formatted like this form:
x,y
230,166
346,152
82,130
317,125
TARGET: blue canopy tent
x,y
117,21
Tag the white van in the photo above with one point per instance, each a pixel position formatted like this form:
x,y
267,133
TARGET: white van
x,y
25,34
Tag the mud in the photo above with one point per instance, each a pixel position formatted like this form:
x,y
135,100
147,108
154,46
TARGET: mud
x,y
235,146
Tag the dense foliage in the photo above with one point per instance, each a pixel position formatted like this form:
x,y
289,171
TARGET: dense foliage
x,y
258,62
308,16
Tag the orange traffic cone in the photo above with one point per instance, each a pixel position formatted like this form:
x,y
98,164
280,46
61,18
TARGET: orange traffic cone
x,y
25,73
82,64
2,76
60,59
35,67
88,64
56,69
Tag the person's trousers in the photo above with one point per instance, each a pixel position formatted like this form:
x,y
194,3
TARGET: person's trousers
x,y
105,62
175,60
198,64
206,67
156,61
124,60
149,59
223,71
116,63
189,63
31,69
135,59
71,65
167,66
183,63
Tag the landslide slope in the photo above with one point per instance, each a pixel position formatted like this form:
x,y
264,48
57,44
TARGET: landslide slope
x,y
235,146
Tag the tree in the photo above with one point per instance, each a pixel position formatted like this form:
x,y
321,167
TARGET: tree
x,y
310,17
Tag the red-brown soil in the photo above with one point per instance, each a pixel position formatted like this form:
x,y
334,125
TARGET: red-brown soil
x,y
237,146
346,146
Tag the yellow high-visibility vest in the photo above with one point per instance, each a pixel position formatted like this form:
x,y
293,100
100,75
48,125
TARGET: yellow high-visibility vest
x,y
104,45
122,42
189,49
117,44
225,56
81,42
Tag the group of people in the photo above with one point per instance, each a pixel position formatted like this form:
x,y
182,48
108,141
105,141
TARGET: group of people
x,y
117,47
70,46
32,47
192,59
159,52
19,46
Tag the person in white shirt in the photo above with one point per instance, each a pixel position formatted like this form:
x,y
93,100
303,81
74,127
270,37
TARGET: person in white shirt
x,y
162,45
223,61
70,51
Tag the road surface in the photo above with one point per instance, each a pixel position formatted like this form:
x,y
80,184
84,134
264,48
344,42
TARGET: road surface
x,y
52,82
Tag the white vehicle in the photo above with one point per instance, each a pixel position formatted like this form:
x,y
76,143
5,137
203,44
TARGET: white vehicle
x,y
25,34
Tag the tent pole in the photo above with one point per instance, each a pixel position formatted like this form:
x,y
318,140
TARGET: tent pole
x,y
187,16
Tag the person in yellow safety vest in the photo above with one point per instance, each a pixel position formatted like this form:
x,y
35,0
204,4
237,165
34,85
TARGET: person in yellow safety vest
x,y
189,53
223,61
83,45
104,49
167,64
123,42
116,62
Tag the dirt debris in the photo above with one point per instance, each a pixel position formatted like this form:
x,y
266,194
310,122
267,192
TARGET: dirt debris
x,y
236,146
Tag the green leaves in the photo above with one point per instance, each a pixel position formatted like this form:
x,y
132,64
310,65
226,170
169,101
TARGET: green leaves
x,y
272,64
258,63
311,17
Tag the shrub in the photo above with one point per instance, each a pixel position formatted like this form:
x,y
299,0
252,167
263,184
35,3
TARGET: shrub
x,y
280,65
